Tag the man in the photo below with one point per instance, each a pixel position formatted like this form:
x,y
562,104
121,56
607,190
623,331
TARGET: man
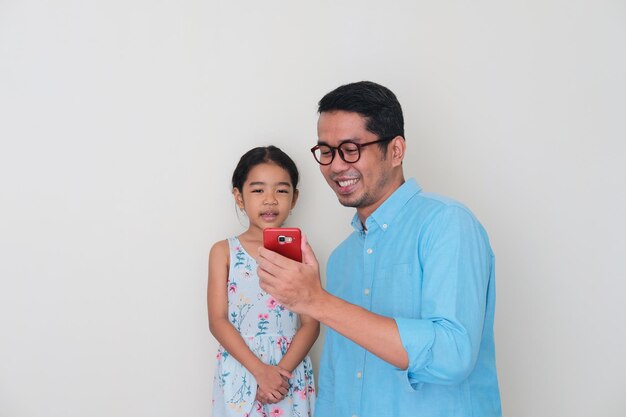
x,y
409,303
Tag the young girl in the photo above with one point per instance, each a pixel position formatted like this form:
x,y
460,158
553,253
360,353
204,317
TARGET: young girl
x,y
262,364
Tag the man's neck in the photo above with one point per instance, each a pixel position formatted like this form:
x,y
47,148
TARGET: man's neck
x,y
365,212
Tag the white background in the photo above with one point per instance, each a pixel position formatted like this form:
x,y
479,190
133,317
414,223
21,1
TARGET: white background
x,y
121,123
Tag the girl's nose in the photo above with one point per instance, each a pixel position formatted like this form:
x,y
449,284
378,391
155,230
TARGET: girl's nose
x,y
270,199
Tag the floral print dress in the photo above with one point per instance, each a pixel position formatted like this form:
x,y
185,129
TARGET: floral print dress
x,y
267,328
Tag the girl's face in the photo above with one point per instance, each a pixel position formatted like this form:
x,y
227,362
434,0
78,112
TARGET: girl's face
x,y
267,196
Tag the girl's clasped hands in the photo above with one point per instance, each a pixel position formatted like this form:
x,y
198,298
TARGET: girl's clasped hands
x,y
272,384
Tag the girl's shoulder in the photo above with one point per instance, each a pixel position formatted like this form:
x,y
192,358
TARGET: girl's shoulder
x,y
220,251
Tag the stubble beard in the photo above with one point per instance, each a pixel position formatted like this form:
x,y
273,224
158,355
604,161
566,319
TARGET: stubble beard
x,y
361,201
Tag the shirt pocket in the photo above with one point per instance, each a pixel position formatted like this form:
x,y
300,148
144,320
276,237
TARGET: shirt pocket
x,y
395,291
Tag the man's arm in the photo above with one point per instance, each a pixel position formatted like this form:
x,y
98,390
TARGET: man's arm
x,y
380,336
297,286
457,280
442,345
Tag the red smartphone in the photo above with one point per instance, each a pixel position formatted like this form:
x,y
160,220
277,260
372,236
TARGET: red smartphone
x,y
284,240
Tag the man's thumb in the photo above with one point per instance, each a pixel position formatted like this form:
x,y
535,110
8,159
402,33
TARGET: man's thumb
x,y
308,257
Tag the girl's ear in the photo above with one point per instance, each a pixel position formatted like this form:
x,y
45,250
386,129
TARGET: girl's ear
x,y
296,193
238,198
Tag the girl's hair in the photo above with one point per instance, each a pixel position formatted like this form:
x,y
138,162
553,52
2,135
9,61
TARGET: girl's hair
x,y
264,155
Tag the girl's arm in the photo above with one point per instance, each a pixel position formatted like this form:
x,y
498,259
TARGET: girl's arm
x,y
301,343
271,379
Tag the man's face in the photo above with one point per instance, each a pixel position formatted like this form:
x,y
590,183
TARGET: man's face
x,y
364,184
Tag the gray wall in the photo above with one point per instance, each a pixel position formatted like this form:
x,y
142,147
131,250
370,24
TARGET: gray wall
x,y
121,122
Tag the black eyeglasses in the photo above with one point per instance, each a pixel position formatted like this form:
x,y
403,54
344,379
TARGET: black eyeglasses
x,y
349,151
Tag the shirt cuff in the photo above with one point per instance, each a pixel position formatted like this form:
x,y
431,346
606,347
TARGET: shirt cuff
x,y
417,338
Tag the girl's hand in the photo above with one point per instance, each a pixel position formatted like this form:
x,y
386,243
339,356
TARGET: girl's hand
x,y
272,384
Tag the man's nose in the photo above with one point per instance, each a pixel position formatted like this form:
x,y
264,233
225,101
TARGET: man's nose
x,y
338,164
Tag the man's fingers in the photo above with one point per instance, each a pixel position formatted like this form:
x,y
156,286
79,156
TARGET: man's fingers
x,y
270,266
272,258
266,279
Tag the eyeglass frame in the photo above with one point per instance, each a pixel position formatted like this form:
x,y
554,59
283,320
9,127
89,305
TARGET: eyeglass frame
x,y
340,152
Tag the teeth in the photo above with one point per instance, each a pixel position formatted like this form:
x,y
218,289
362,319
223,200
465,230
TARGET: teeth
x,y
347,183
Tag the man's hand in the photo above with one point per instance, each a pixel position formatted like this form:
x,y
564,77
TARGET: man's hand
x,y
272,384
295,285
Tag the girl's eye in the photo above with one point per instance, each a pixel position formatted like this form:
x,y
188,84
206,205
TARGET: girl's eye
x,y
257,190
284,191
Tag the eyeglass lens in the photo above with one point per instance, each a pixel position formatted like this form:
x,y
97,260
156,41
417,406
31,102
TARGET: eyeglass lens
x,y
348,151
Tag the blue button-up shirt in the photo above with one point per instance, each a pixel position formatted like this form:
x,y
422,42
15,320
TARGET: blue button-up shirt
x,y
425,261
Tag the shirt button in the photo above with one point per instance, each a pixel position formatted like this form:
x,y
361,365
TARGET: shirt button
x,y
369,251
366,291
359,375
385,226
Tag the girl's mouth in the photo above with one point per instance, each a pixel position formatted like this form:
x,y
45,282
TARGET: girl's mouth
x,y
269,215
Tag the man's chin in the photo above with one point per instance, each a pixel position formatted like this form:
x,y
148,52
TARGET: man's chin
x,y
348,202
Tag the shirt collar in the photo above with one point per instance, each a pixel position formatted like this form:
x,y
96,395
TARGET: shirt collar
x,y
383,216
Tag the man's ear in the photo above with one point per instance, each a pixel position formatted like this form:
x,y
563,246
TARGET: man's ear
x,y
238,198
398,149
